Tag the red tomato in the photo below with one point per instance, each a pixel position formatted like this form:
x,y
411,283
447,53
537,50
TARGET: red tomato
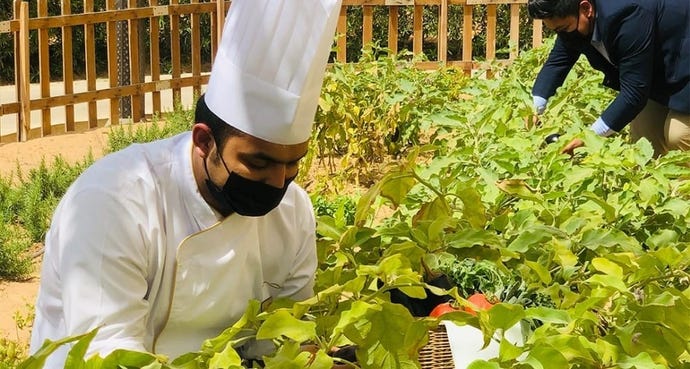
x,y
480,301
442,308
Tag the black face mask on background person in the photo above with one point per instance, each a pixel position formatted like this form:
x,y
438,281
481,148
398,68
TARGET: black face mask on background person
x,y
244,196
574,38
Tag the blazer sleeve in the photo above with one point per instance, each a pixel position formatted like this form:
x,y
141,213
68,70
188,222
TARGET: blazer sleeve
x,y
633,48
556,68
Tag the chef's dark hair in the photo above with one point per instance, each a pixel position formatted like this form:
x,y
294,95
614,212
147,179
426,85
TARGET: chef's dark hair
x,y
544,9
221,131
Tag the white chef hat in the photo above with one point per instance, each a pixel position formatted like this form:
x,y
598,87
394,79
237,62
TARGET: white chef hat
x,y
267,74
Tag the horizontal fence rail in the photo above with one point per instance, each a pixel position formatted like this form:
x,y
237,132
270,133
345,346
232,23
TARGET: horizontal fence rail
x,y
134,82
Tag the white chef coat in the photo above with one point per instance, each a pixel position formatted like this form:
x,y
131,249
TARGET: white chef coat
x,y
134,249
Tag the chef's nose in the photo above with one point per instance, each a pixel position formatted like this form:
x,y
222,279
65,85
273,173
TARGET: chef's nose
x,y
277,177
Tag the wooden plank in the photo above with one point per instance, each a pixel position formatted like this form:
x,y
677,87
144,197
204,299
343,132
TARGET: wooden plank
x,y
24,74
427,65
473,65
514,31
367,26
119,15
175,50
134,61
467,35
393,26
154,41
196,48
537,33
90,58
10,108
491,22
417,30
112,64
44,67
67,67
9,26
341,31
443,31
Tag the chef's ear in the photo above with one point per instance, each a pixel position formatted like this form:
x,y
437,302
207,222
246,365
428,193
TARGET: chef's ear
x,y
202,138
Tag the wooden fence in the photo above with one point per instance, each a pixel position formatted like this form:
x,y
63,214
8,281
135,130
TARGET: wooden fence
x,y
138,89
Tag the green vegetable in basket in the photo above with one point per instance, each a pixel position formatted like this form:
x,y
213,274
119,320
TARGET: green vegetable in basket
x,y
497,284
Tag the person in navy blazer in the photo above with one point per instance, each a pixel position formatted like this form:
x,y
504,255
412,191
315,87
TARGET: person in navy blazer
x,y
643,49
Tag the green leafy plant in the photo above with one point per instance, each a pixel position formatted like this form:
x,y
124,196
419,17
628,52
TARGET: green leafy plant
x,y
372,110
603,235
11,353
15,262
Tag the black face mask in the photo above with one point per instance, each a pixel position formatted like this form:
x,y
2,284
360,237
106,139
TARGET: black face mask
x,y
244,196
574,38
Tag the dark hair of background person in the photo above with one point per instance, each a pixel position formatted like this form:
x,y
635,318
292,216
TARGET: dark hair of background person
x,y
543,9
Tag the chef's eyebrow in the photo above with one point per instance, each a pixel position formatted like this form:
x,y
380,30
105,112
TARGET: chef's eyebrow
x,y
264,156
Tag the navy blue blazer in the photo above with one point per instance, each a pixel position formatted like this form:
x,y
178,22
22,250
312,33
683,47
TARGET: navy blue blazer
x,y
648,44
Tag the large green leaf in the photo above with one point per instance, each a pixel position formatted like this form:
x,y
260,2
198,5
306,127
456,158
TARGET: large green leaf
x,y
37,360
283,324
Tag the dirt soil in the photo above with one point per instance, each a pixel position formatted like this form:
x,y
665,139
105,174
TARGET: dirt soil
x,y
17,298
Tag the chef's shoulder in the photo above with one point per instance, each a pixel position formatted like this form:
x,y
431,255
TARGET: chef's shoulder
x,y
136,167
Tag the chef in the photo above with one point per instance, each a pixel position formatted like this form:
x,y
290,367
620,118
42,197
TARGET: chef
x,y
162,245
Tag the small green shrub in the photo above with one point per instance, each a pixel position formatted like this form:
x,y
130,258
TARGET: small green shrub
x,y
15,242
340,207
372,111
39,193
177,121
11,353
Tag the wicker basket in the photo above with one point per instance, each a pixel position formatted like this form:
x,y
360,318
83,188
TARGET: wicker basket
x,y
436,354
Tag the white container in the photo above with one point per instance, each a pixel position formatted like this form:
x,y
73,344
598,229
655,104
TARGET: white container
x,y
466,343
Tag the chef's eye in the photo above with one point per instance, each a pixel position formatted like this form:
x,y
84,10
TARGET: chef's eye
x,y
257,164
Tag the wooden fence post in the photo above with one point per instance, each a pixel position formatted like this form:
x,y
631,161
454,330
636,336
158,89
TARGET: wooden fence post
x,y
367,26
443,32
467,35
134,63
67,67
24,74
393,29
418,30
16,36
44,68
537,29
195,22
175,51
123,62
514,31
90,60
341,31
154,57
113,62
